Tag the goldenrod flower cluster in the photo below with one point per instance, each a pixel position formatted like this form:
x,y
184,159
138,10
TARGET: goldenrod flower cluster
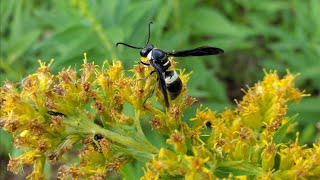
x,y
100,110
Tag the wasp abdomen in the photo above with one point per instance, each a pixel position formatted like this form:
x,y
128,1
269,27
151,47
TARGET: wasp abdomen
x,y
174,84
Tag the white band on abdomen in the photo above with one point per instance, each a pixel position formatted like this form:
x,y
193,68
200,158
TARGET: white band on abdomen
x,y
171,79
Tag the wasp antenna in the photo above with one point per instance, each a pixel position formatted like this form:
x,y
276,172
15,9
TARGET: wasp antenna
x,y
149,32
127,45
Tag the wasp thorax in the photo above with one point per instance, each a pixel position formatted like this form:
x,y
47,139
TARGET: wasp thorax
x,y
145,51
159,56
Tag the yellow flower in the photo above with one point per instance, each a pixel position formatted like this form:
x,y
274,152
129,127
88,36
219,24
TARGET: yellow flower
x,y
115,70
268,156
197,167
30,157
102,110
202,117
178,141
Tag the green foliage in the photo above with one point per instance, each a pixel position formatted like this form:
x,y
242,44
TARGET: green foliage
x,y
281,132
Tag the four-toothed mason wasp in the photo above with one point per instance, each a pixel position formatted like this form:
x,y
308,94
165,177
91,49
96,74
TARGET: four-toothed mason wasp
x,y
169,80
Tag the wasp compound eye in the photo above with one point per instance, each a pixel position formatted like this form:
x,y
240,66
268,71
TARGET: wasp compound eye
x,y
143,53
146,50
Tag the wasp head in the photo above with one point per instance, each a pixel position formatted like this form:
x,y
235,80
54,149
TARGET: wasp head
x,y
145,51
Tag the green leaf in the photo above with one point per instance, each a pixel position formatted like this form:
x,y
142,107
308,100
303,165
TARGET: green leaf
x,y
17,48
207,21
229,44
139,155
216,89
140,14
281,132
309,114
6,9
237,169
132,170
164,14
17,23
69,43
59,17
48,170
6,142
217,106
307,105
173,41
311,72
307,134
129,171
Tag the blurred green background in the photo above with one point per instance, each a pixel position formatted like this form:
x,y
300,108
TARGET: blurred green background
x,y
257,34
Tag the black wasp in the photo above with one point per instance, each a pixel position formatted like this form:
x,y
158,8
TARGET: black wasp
x,y
158,59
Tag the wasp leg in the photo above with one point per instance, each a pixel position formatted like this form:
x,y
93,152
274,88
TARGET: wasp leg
x,y
150,94
148,75
146,64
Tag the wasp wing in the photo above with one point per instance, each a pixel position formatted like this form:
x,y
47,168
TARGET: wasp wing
x,y
199,51
162,82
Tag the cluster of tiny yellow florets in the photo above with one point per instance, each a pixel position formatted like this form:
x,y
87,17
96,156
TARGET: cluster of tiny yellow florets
x,y
242,142
48,115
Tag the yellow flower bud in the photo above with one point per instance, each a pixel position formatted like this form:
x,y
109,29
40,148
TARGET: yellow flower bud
x,y
178,141
241,151
268,156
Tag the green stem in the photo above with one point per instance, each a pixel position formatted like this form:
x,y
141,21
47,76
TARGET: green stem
x,y
83,126
137,122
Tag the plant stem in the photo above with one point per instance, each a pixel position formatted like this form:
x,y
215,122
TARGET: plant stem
x,y
137,122
83,126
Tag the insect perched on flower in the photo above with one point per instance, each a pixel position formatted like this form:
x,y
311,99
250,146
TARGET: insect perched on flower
x,y
168,80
